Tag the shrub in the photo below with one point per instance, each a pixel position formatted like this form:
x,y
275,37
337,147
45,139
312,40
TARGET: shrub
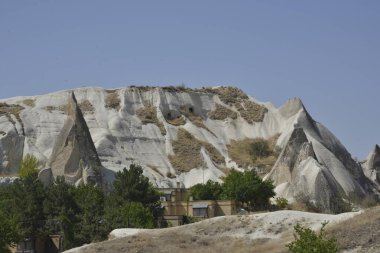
x,y
307,240
248,188
281,203
112,100
29,166
209,191
259,148
187,150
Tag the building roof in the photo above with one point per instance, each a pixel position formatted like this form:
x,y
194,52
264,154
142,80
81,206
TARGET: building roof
x,y
200,205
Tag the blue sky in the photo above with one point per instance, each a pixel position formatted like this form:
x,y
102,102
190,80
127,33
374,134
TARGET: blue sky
x,y
325,52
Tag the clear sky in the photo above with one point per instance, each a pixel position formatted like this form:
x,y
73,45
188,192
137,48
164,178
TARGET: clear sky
x,y
325,52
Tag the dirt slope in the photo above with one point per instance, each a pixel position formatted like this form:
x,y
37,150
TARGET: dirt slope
x,y
263,232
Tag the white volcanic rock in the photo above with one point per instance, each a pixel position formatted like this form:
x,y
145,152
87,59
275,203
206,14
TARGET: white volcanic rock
x,y
297,173
74,155
121,137
372,165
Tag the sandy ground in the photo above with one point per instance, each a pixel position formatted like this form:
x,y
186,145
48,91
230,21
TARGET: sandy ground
x,y
263,232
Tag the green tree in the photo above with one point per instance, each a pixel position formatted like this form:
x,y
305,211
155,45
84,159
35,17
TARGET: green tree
x,y
9,234
209,191
28,194
259,148
281,202
247,188
90,226
135,215
28,166
307,240
61,209
131,186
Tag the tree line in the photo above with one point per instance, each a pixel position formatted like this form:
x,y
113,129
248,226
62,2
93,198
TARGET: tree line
x,y
85,213
82,214
244,187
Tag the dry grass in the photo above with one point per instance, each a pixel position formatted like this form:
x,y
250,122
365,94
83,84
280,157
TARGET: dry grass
x,y
195,119
239,151
170,175
187,154
12,109
112,100
155,169
208,236
29,102
230,95
251,111
248,110
214,154
179,121
362,230
221,113
86,106
61,108
172,242
148,115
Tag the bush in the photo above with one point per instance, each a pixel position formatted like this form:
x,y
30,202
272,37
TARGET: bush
x,y
209,191
260,148
281,203
29,166
248,188
307,240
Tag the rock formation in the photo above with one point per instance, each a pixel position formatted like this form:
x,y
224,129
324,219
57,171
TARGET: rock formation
x,y
74,155
115,128
298,174
372,166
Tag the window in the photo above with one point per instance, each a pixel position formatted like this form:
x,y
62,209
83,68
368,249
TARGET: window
x,y
200,212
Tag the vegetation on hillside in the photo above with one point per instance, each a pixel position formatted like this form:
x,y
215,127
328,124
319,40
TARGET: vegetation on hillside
x,y
244,187
307,240
148,115
112,100
187,154
257,153
82,214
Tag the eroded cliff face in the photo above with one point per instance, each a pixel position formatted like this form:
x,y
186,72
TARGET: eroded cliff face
x,y
372,165
74,155
159,127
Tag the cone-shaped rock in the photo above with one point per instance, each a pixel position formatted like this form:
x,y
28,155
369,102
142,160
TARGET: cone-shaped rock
x,y
372,166
74,155
297,149
298,174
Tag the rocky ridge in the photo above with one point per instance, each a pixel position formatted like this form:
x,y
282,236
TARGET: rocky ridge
x,y
144,125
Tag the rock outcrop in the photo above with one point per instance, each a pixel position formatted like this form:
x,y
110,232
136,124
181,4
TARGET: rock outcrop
x,y
115,128
298,174
372,166
74,155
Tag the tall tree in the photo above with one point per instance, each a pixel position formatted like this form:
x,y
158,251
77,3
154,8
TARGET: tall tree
x,y
90,225
60,208
131,186
248,188
209,191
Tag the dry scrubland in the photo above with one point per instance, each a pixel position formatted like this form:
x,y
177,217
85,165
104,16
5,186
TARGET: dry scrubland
x,y
187,152
239,151
360,234
261,232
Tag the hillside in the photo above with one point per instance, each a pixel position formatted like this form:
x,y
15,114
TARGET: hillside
x,y
178,134
263,232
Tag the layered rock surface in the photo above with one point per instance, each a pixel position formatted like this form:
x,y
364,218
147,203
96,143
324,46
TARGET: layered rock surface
x,y
74,155
141,125
371,166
